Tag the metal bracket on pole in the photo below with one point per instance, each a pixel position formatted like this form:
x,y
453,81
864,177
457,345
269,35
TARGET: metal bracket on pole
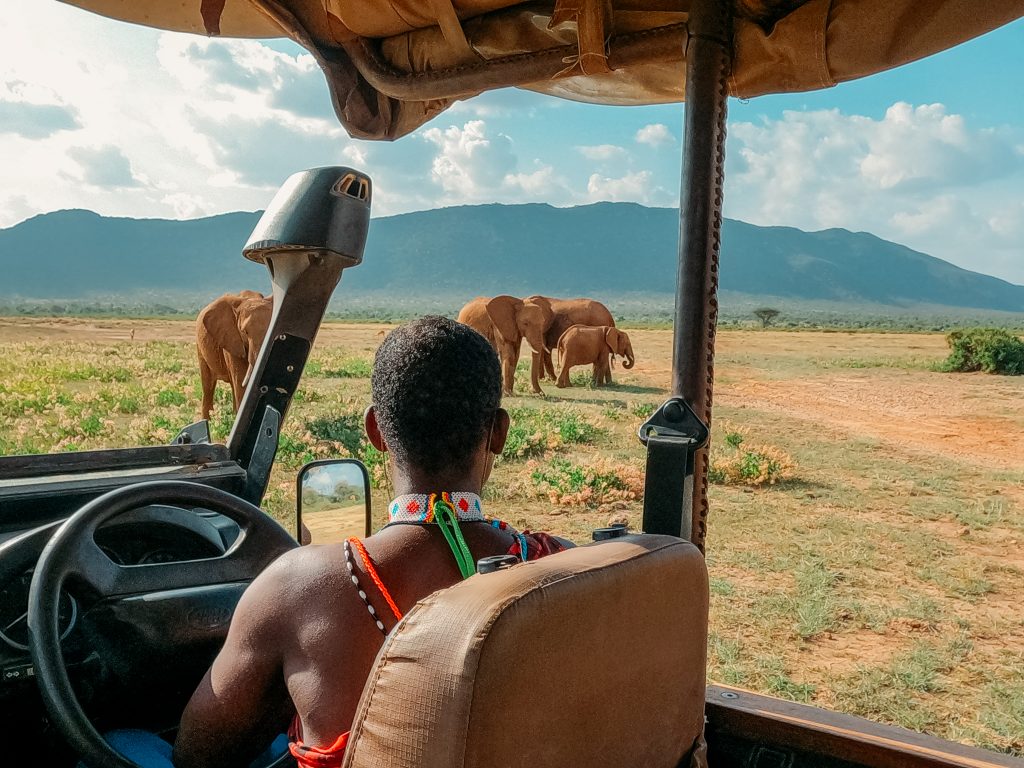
x,y
262,458
673,435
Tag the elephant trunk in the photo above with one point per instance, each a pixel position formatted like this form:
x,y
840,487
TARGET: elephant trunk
x,y
628,362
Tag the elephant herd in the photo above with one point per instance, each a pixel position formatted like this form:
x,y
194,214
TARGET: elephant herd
x,y
582,330
230,332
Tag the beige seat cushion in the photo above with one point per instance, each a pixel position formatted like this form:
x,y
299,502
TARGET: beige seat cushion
x,y
591,657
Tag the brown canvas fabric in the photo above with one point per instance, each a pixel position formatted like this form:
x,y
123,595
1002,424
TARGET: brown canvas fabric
x,y
594,656
779,45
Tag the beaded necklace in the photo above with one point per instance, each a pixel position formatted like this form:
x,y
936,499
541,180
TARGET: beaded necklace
x,y
446,510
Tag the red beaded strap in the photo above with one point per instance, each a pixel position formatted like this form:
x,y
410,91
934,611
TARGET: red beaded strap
x,y
370,569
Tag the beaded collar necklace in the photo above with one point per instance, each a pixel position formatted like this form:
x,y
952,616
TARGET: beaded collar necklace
x,y
446,510
419,507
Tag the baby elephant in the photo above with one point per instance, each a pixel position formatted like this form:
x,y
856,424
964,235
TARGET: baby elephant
x,y
597,344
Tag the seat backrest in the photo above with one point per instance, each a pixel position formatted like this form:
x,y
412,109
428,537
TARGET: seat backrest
x,y
591,657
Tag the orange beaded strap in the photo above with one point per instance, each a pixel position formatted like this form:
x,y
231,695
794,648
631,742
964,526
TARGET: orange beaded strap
x,y
369,567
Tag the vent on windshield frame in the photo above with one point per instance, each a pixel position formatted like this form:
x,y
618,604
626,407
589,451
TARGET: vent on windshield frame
x,y
353,185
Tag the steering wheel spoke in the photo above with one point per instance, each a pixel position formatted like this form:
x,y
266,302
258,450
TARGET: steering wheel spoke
x,y
72,554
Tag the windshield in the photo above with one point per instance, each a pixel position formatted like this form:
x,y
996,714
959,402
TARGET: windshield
x,y
866,503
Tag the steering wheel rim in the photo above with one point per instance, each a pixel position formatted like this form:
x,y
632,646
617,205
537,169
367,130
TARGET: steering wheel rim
x,y
72,551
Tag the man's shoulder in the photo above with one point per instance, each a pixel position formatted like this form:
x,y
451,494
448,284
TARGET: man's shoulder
x,y
292,583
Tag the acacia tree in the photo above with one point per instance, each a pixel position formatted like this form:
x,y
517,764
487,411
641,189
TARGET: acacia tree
x,y
766,315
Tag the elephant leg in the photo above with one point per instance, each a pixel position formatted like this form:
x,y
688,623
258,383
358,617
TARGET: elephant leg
x,y
536,371
509,359
563,375
208,384
236,368
549,366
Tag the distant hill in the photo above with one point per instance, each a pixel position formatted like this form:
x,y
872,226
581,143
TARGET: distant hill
x,y
601,249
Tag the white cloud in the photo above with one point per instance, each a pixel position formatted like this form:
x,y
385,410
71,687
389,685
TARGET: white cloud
x,y
655,135
470,165
918,175
635,187
186,206
602,152
541,184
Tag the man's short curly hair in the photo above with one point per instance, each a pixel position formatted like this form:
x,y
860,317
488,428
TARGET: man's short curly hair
x,y
436,385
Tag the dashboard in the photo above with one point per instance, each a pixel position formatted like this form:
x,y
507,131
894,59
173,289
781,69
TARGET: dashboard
x,y
146,536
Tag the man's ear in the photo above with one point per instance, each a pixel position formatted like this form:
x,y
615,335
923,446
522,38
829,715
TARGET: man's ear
x,y
499,432
373,430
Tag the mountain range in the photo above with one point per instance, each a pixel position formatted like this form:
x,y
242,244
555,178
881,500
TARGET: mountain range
x,y
599,249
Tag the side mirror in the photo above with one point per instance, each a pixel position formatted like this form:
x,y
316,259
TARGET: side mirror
x,y
332,501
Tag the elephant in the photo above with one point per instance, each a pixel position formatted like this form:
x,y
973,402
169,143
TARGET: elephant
x,y
229,335
584,344
566,313
505,321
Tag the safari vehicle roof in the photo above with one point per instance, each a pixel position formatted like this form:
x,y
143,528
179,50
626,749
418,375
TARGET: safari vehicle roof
x,y
392,65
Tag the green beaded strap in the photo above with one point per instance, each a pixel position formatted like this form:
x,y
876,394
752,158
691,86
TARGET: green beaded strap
x,y
448,521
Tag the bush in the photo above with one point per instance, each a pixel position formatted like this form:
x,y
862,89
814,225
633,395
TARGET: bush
x,y
534,432
992,350
346,429
749,465
591,485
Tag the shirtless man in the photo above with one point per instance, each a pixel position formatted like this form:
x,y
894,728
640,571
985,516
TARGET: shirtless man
x,y
303,640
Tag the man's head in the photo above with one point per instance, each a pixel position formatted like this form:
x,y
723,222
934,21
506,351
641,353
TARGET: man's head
x,y
436,389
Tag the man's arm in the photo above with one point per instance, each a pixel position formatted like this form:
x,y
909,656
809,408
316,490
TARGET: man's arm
x,y
242,702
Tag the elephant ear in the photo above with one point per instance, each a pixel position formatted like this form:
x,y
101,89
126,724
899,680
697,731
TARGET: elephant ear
x,y
222,325
611,338
545,304
502,311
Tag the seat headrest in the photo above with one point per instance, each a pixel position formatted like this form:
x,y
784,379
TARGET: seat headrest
x,y
593,657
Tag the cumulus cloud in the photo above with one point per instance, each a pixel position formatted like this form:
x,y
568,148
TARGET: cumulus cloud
x,y
469,163
918,175
602,152
632,187
105,167
655,135
924,146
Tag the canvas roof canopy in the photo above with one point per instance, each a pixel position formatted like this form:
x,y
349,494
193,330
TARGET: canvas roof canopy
x,y
392,65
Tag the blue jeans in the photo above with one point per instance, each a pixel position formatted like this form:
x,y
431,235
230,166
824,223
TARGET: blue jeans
x,y
150,751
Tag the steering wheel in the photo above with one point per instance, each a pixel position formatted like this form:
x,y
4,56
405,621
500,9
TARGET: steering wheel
x,y
72,552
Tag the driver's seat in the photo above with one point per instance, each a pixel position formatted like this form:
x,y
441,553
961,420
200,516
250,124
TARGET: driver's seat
x,y
592,657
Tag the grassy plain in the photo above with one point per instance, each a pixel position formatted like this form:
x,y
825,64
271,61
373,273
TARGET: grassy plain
x,y
883,577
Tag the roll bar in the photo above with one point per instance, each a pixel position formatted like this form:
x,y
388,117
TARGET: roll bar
x,y
676,485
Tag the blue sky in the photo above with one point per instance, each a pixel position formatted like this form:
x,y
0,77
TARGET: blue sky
x,y
129,121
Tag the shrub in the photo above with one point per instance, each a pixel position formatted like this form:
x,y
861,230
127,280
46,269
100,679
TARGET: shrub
x,y
749,464
346,429
601,482
992,350
167,397
643,410
533,432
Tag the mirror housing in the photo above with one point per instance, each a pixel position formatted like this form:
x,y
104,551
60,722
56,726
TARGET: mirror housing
x,y
332,501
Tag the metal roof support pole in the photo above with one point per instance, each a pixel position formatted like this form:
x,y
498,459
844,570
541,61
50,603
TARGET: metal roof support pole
x,y
708,60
